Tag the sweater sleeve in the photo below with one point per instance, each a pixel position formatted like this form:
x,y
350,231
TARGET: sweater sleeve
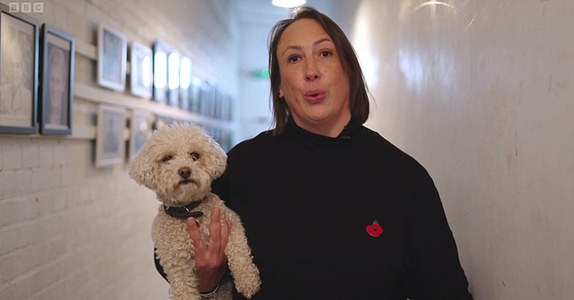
x,y
435,270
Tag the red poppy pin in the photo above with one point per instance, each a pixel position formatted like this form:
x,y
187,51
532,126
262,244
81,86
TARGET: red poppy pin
x,y
374,230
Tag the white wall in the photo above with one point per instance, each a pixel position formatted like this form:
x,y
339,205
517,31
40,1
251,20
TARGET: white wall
x,y
69,230
480,92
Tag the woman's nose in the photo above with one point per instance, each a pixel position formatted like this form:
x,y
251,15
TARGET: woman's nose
x,y
311,70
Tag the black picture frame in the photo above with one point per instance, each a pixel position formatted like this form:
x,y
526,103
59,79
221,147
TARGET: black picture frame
x,y
160,72
19,38
57,77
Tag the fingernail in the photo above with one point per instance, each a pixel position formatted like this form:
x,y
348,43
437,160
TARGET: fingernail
x,y
193,221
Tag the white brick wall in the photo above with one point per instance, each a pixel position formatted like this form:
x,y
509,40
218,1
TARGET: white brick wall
x,y
67,229
82,238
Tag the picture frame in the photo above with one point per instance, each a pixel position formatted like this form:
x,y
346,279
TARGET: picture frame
x,y
57,86
173,59
195,94
141,70
160,72
161,121
206,98
185,78
110,143
227,108
19,47
140,130
112,57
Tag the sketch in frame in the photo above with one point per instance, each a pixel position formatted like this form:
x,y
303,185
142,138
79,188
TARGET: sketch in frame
x,y
226,107
206,97
141,71
184,82
110,143
162,121
57,87
195,93
217,101
140,129
160,52
18,72
173,59
112,56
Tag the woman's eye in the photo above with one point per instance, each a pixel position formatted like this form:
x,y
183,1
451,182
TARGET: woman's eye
x,y
194,155
293,58
326,53
166,158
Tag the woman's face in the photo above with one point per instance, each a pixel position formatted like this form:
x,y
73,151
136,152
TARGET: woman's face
x,y
313,81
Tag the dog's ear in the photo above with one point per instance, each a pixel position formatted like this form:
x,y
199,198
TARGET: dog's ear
x,y
217,159
142,168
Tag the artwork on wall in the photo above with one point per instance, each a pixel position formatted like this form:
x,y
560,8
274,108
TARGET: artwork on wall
x,y
161,121
173,59
141,71
184,82
18,72
112,56
57,86
110,143
140,129
160,52
206,96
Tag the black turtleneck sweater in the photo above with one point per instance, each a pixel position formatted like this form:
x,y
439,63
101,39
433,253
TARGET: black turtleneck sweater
x,y
306,201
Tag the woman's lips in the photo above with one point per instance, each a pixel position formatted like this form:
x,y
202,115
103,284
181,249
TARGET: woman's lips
x,y
314,97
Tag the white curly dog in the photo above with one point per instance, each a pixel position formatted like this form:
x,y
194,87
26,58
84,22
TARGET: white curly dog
x,y
179,163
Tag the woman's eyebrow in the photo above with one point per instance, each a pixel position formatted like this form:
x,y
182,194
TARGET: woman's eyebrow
x,y
294,47
326,39
297,47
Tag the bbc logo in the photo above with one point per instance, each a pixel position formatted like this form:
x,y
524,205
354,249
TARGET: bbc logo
x,y
26,7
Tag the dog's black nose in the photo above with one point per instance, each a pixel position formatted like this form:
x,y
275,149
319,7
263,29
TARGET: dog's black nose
x,y
184,172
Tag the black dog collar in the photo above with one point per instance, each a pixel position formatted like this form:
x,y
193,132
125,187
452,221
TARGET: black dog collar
x,y
183,212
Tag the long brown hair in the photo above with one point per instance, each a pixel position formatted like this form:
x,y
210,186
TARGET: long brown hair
x,y
358,92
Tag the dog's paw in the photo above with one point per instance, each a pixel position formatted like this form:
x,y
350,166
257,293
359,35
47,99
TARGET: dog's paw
x,y
248,282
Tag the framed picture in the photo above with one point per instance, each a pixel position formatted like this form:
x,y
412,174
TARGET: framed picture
x,y
206,97
140,129
110,143
160,52
57,87
112,56
173,59
18,72
195,93
226,108
161,121
184,82
141,71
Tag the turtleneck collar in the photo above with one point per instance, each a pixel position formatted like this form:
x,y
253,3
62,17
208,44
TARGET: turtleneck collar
x,y
346,134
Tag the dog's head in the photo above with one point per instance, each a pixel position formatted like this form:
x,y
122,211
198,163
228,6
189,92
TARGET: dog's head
x,y
179,162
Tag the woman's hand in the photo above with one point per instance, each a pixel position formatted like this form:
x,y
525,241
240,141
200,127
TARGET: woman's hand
x,y
210,260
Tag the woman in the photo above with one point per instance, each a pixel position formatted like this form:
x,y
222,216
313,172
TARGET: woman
x,y
332,210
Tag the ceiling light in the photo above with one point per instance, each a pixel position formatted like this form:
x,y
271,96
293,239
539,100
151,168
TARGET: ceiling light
x,y
288,3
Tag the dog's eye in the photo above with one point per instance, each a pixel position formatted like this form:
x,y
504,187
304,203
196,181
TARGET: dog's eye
x,y
194,155
166,158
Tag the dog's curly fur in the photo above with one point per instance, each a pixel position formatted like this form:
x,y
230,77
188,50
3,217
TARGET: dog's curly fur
x,y
170,154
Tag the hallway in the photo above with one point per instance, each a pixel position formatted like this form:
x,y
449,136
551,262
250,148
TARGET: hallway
x,y
479,92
